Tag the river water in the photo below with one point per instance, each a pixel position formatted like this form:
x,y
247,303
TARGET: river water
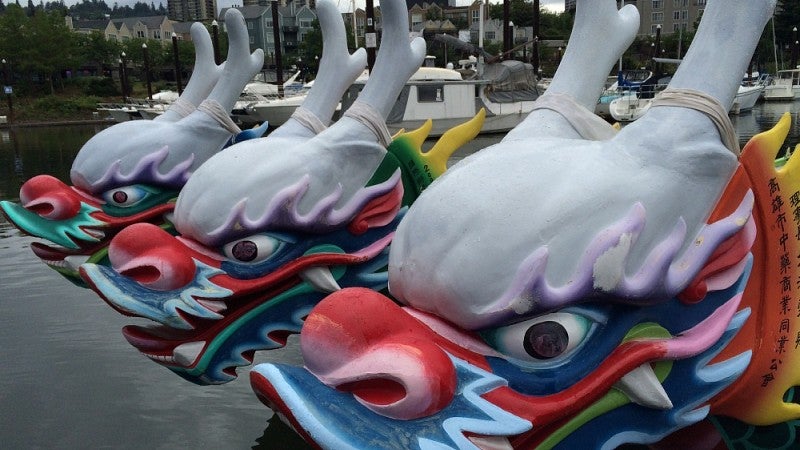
x,y
68,379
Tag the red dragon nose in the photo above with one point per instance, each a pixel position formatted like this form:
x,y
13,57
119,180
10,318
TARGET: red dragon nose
x,y
359,341
152,257
50,198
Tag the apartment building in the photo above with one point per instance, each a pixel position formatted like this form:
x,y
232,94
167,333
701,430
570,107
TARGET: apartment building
x,y
191,10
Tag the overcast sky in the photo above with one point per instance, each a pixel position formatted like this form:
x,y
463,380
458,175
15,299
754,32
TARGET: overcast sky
x,y
344,5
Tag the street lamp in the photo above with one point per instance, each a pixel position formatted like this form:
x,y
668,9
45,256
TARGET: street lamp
x,y
147,71
177,62
215,41
124,65
511,36
8,90
122,80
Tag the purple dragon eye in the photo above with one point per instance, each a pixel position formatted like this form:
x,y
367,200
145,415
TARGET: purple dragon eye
x,y
245,251
120,196
546,340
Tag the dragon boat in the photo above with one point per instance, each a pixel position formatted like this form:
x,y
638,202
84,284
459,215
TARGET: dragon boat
x,y
132,172
264,232
574,286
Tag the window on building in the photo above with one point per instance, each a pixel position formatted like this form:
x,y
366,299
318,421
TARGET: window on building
x,y
490,35
156,34
140,34
476,15
249,25
268,23
676,15
701,2
658,4
252,40
657,17
305,23
685,14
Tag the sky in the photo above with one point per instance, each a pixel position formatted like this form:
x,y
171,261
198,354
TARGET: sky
x,y
344,5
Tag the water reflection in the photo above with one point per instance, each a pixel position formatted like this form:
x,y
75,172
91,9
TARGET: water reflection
x,y
69,379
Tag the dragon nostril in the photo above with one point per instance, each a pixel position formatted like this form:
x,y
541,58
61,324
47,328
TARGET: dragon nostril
x,y
376,391
49,198
142,274
42,209
152,257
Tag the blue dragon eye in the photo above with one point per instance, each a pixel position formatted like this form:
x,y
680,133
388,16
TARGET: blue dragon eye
x,y
252,249
125,196
543,338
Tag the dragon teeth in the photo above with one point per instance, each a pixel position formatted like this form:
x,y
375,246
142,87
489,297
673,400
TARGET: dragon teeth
x,y
94,233
75,261
186,354
643,388
321,278
491,442
212,305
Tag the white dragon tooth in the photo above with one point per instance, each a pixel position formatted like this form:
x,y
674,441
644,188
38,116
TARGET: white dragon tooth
x,y
643,388
95,233
213,305
186,354
75,261
491,442
321,278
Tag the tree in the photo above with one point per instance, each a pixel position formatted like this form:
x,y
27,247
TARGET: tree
x,y
53,47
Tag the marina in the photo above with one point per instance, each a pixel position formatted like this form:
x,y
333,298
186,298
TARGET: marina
x,y
69,378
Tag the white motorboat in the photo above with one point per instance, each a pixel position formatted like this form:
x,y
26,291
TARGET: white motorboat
x,y
784,86
746,98
506,90
275,111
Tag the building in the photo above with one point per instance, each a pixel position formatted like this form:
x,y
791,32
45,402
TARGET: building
x,y
191,10
674,16
295,19
159,28
461,17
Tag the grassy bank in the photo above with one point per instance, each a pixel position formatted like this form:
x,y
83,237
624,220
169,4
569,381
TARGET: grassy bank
x,y
76,100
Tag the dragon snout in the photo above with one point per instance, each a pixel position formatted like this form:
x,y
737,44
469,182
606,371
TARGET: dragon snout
x,y
152,257
358,341
50,198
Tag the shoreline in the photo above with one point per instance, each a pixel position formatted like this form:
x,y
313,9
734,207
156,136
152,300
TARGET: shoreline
x,y
56,123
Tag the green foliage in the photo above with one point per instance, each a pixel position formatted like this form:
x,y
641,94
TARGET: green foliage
x,y
53,107
551,25
96,86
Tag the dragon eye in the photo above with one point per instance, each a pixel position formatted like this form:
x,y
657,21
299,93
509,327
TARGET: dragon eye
x,y
543,338
125,196
252,249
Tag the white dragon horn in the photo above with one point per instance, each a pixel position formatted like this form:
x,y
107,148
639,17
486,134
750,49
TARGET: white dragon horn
x,y
205,75
337,71
567,107
240,66
397,60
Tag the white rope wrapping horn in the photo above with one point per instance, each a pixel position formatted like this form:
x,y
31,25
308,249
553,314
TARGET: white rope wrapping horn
x,y
218,113
370,118
182,107
585,122
309,120
706,104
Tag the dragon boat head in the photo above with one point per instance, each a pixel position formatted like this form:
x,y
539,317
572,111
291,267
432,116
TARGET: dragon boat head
x,y
569,287
132,172
266,233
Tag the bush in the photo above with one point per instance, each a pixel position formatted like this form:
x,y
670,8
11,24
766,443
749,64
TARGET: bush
x,y
96,86
50,106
